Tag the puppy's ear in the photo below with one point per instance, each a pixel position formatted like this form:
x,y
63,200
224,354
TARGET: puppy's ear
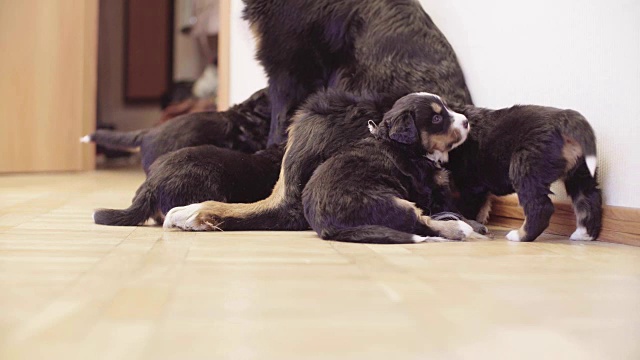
x,y
402,127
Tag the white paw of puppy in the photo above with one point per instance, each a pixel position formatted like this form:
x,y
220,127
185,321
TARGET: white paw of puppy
x,y
421,239
581,235
465,228
513,235
184,217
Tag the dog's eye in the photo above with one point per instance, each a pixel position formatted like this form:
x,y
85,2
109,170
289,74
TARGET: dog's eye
x,y
437,119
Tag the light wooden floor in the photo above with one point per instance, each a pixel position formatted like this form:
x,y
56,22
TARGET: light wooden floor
x,y
72,289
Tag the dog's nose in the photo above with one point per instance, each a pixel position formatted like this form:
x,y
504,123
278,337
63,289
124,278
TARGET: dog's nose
x,y
465,123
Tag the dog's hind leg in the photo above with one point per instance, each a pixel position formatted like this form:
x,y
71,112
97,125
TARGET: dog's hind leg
x,y
531,173
587,202
401,222
116,139
376,234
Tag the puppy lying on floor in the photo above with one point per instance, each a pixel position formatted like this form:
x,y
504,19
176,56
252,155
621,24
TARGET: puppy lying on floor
x,y
328,124
197,174
524,149
244,127
373,191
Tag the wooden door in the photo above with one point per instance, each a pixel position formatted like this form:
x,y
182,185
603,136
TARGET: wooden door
x,y
148,49
48,68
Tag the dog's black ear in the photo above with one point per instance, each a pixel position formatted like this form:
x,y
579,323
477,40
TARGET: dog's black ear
x,y
402,127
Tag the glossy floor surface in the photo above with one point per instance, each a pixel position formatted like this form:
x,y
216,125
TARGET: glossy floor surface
x,y
70,289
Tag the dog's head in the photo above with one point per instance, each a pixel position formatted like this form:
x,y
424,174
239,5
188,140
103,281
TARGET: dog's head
x,y
424,121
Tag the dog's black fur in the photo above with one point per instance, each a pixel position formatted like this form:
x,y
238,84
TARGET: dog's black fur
x,y
367,192
357,48
196,174
328,124
524,149
243,127
373,46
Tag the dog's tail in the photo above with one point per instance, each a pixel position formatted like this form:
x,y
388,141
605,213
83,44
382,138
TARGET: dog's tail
x,y
576,128
142,208
116,139
375,234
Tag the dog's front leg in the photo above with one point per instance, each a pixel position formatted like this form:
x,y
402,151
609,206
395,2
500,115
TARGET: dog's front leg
x,y
192,217
450,229
445,208
285,95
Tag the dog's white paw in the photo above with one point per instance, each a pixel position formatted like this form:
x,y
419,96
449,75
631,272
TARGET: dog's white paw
x,y
513,235
85,139
465,228
184,217
421,239
581,235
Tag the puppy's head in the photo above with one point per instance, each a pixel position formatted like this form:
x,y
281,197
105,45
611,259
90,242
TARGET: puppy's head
x,y
423,120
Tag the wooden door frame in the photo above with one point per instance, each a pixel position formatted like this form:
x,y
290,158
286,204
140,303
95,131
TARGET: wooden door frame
x,y
90,81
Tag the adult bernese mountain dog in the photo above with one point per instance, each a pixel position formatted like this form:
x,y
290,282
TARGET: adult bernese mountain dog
x,y
333,56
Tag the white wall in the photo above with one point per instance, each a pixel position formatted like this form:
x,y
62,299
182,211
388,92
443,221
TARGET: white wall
x,y
246,74
575,54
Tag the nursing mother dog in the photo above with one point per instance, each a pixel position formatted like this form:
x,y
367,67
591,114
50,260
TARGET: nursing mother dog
x,y
338,58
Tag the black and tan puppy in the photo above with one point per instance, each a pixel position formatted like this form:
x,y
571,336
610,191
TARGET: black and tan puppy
x,y
523,149
243,127
197,174
376,190
329,124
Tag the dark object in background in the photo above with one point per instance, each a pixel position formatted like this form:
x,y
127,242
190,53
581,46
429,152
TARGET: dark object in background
x,y
197,174
148,51
178,92
244,127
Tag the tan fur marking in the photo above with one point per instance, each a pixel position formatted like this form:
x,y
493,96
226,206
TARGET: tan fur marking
x,y
485,210
408,205
580,214
436,107
440,142
521,231
571,151
256,34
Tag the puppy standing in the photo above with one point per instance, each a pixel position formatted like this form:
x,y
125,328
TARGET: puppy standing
x,y
524,149
381,201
